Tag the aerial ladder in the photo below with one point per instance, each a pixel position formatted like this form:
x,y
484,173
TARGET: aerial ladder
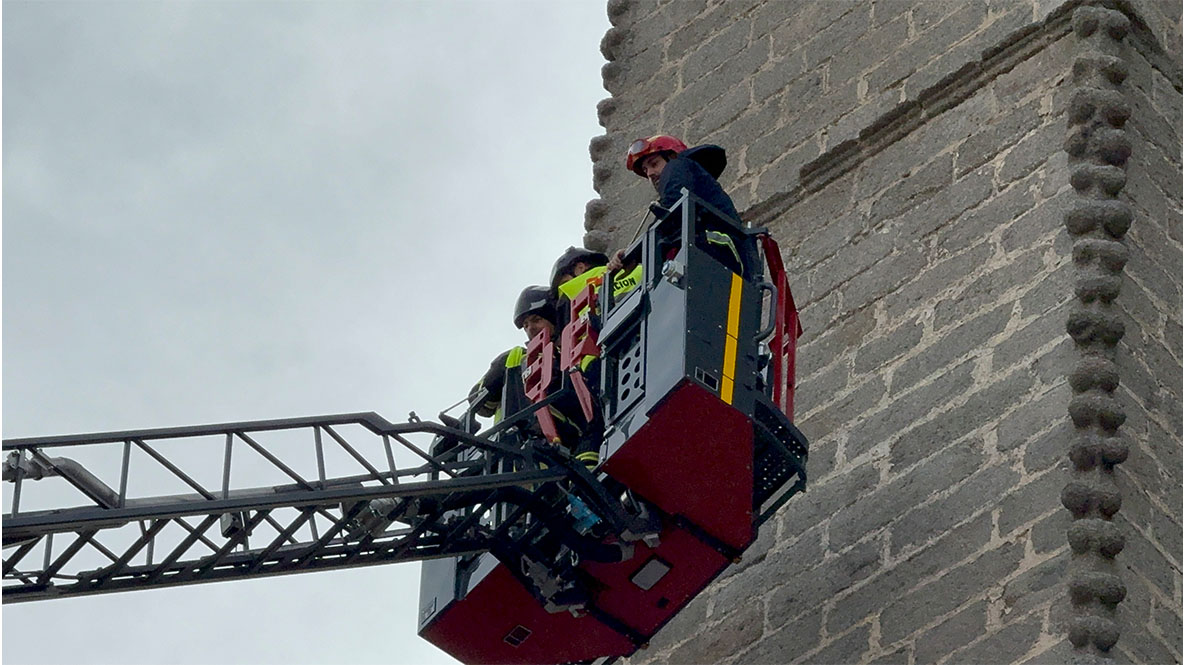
x,y
528,556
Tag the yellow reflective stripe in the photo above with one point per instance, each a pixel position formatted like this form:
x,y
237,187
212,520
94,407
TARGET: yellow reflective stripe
x,y
585,362
591,455
574,286
515,357
730,339
718,238
628,282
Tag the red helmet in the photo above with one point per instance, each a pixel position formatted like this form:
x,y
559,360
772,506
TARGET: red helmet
x,y
641,148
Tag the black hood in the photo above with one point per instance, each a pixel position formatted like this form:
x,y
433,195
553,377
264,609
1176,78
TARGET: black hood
x,y
711,157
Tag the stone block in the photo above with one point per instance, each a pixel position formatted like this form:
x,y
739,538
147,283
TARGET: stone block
x,y
937,81
782,175
957,631
1049,534
951,347
717,114
1007,645
1051,447
1138,646
930,41
1166,624
807,588
907,410
645,97
823,456
832,237
691,24
842,414
851,125
768,17
787,642
818,207
917,297
821,387
948,203
1034,76
785,69
1058,650
721,47
997,135
926,522
1140,555
1032,419
1035,499
1032,151
916,609
875,510
821,499
915,187
1002,209
879,351
688,623
780,567
1164,530
1052,291
745,129
1037,586
869,49
883,278
697,95
735,632
838,338
837,35
853,258
949,550
849,648
984,406
900,656
991,288
1010,352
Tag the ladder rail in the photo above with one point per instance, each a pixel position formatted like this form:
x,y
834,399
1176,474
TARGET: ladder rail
x,y
312,522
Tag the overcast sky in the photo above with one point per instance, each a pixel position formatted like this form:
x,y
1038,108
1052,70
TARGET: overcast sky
x,y
223,211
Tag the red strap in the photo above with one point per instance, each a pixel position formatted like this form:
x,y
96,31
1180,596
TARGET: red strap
x,y
578,341
537,380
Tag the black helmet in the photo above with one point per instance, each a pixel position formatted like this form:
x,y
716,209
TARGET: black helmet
x,y
570,258
534,300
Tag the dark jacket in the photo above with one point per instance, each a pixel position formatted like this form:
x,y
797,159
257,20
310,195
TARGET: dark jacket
x,y
697,169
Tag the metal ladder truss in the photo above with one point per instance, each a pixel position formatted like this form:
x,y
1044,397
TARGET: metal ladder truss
x,y
161,507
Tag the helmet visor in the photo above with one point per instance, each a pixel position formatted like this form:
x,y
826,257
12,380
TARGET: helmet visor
x,y
637,147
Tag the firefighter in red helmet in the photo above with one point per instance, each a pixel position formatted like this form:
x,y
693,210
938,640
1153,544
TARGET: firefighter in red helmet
x,y
671,166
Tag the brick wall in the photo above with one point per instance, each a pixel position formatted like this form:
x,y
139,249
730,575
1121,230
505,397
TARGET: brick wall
x,y
1150,479
908,155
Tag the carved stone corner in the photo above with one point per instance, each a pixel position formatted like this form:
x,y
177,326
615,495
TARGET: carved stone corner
x,y
1098,149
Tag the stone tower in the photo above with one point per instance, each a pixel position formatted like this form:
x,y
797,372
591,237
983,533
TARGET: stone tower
x,y
979,204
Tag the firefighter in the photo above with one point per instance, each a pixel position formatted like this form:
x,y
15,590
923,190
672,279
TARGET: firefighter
x,y
534,311
670,166
577,267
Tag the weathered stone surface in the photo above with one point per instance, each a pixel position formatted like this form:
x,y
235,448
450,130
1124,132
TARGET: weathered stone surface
x,y
911,159
737,630
946,552
878,508
1007,645
960,629
943,595
928,521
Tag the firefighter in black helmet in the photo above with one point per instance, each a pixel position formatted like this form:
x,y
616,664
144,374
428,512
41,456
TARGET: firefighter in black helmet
x,y
534,311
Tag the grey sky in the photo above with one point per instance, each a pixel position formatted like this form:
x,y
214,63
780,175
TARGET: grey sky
x,y
225,211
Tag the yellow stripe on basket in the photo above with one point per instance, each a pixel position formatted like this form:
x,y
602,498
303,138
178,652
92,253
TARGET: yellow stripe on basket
x,y
730,340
